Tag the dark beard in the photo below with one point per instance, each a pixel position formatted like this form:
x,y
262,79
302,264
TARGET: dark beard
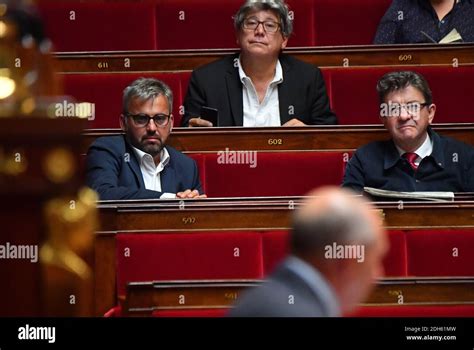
x,y
152,150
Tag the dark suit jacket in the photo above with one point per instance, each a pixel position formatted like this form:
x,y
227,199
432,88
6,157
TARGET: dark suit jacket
x,y
450,167
302,94
114,172
271,299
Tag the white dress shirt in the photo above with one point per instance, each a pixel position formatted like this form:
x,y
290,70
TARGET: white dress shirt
x,y
423,151
151,172
266,113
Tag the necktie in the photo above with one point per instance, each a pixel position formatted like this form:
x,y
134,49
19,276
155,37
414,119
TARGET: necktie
x,y
410,157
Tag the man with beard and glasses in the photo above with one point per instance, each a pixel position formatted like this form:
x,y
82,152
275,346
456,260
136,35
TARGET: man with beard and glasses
x,y
139,165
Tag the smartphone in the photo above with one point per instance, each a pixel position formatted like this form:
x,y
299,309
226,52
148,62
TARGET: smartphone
x,y
210,114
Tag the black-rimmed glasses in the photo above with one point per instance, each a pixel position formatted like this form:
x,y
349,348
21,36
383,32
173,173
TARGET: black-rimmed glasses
x,y
391,109
142,119
271,27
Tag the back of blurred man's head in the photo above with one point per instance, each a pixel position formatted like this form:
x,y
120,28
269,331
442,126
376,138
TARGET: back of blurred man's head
x,y
342,236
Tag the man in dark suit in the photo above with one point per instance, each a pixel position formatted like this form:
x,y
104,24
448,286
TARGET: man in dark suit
x,y
138,165
260,86
337,246
416,158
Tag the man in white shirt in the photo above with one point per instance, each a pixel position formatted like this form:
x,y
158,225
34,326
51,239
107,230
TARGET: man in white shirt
x,y
259,86
139,165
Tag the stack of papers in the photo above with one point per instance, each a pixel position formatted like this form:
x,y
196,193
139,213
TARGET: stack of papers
x,y
428,196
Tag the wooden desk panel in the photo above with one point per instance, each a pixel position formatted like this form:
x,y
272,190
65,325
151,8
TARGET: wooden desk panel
x,y
145,297
344,56
266,214
341,138
238,214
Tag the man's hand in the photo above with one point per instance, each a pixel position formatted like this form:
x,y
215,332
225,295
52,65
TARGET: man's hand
x,y
190,194
198,122
294,122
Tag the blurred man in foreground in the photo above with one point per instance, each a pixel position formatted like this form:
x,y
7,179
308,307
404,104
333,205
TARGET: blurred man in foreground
x,y
337,245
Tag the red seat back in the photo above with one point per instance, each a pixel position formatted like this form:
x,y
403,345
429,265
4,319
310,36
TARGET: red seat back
x,y
91,26
105,91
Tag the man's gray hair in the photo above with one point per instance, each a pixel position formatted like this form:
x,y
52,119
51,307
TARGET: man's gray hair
x,y
278,6
145,89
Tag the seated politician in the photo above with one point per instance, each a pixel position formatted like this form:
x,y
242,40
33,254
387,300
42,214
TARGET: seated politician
x,y
139,165
260,86
416,158
427,21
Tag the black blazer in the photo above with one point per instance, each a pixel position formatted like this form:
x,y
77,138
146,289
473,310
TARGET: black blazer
x,y
114,172
302,94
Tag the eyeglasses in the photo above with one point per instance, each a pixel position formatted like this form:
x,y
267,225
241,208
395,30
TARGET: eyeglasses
x,y
142,120
271,27
391,109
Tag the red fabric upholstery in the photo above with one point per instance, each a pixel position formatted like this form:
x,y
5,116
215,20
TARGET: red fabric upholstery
x,y
220,255
433,253
343,22
197,24
99,27
191,313
106,89
354,99
302,12
275,247
415,311
200,159
395,262
275,174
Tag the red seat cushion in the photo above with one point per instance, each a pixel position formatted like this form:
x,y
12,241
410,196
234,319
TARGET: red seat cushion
x,y
350,87
275,247
440,253
415,311
106,90
89,26
274,174
395,262
343,22
220,312
219,255
197,24
303,20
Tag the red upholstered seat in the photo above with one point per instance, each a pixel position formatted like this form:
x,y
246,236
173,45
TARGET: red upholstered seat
x,y
415,311
274,174
220,312
395,262
220,255
354,98
106,89
89,26
275,247
302,12
197,24
440,253
346,22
